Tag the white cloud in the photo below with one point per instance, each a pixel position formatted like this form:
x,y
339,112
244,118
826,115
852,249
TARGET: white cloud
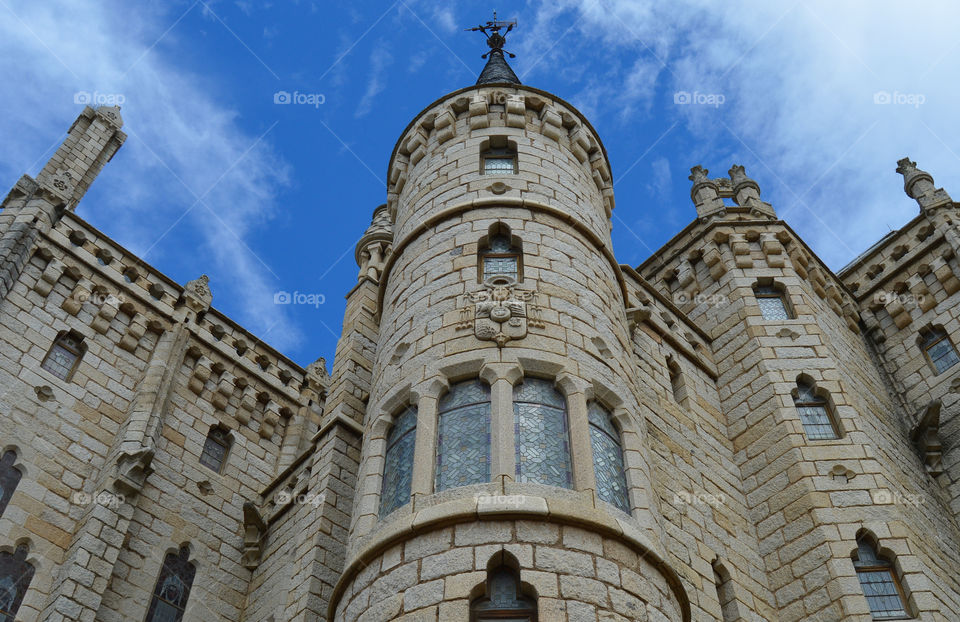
x,y
799,83
178,130
380,61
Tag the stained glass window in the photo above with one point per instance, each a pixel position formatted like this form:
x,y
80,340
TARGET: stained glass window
x,y
814,414
63,356
463,436
771,302
503,600
940,350
173,588
15,576
9,478
607,458
542,440
398,463
879,583
215,449
501,259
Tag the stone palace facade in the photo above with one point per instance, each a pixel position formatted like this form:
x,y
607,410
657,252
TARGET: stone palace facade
x,y
515,426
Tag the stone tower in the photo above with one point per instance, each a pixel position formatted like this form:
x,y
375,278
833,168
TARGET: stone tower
x,y
515,426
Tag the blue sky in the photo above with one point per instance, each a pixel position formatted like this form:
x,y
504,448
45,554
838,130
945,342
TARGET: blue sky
x,y
817,99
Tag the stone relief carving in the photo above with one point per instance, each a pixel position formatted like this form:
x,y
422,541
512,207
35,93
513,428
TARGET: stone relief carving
x,y
500,312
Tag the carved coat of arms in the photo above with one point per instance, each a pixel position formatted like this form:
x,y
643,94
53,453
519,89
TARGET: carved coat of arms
x,y
500,313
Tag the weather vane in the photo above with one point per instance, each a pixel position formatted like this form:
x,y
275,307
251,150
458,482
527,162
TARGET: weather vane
x,y
494,39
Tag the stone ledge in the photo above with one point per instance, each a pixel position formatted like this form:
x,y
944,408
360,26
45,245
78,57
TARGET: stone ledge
x,y
533,508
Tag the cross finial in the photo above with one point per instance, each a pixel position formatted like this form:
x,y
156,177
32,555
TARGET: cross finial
x,y
494,39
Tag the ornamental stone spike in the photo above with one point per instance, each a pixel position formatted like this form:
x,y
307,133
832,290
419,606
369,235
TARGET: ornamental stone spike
x,y
919,185
746,191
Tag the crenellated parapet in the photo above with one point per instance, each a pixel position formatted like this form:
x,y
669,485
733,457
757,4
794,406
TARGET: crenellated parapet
x,y
733,197
559,156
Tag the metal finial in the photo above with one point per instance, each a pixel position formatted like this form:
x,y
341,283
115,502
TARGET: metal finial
x,y
494,39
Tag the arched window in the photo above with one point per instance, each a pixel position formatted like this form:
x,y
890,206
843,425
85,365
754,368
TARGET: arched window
x,y
878,580
215,449
939,350
398,462
607,457
500,259
463,436
9,478
814,413
498,156
725,592
15,576
172,591
542,437
772,302
503,600
64,355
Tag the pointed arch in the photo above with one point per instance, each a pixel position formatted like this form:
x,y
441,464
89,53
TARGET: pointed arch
x,y
815,407
15,576
879,578
172,590
503,595
10,476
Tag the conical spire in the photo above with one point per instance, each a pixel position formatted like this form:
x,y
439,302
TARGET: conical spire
x,y
497,68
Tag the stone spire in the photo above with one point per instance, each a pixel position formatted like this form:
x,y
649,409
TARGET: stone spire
x,y
497,69
918,185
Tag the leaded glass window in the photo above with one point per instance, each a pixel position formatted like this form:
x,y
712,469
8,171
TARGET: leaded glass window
x,y
879,583
9,478
499,162
463,436
398,462
607,458
15,576
940,351
771,302
503,601
63,356
172,591
501,259
215,449
814,414
542,439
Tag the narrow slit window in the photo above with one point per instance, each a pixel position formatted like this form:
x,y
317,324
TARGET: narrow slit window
x,y
878,580
940,351
172,591
499,162
773,305
500,260
15,576
64,355
398,462
814,414
215,450
9,479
